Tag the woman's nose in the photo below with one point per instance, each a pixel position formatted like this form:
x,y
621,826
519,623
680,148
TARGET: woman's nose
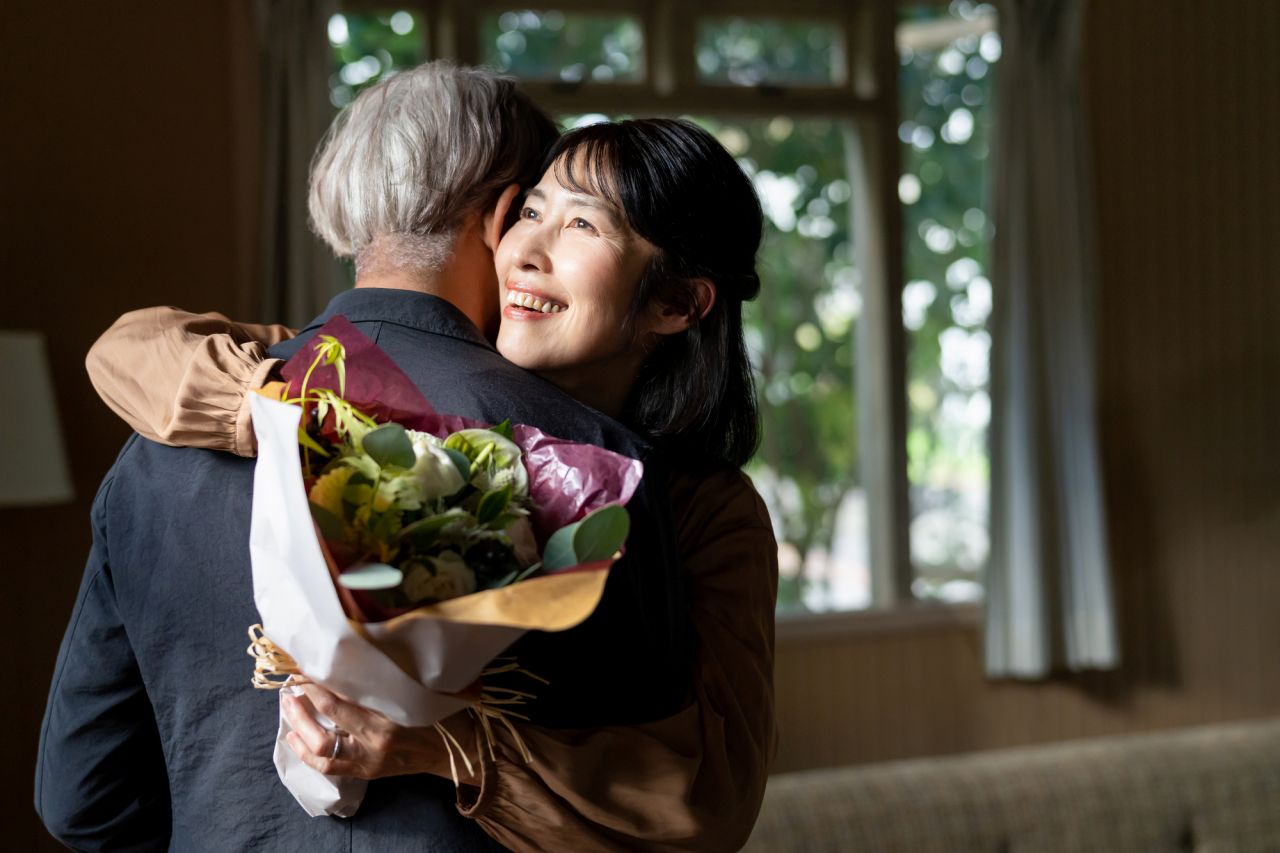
x,y
533,254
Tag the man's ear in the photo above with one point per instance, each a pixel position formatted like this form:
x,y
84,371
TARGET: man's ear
x,y
673,319
495,217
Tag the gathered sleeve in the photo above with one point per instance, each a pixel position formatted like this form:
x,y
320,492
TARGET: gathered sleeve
x,y
181,379
693,781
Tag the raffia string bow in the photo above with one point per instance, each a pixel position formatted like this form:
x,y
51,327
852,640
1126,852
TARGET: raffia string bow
x,y
273,668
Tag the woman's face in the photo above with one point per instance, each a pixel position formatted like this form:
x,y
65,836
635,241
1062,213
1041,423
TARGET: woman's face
x,y
567,271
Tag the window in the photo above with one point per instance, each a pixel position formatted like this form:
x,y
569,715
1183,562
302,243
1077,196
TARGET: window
x,y
946,61
866,139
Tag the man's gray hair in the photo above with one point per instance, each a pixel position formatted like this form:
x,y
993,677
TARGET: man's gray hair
x,y
412,157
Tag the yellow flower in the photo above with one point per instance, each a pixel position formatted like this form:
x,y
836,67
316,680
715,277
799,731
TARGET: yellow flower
x,y
327,491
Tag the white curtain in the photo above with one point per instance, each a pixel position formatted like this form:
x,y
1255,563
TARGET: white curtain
x,y
298,274
1049,592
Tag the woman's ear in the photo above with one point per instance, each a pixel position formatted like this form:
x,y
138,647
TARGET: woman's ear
x,y
672,319
494,218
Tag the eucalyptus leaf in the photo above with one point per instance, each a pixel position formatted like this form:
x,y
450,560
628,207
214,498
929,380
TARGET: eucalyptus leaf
x,y
601,534
559,551
371,576
389,445
493,504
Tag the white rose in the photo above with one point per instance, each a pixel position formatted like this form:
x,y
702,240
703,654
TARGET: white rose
x,y
446,577
434,471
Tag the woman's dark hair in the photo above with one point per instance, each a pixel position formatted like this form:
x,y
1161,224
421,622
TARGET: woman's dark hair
x,y
684,193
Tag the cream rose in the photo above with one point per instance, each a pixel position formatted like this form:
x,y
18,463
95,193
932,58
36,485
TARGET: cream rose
x,y
440,579
433,470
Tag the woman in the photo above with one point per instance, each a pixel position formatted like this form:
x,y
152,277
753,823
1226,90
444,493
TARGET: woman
x,y
622,274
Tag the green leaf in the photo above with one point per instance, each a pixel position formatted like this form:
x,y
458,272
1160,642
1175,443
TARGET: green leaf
x,y
459,442
504,429
424,532
367,471
461,462
527,572
371,576
559,551
493,504
310,443
389,445
601,534
504,520
357,494
505,580
331,527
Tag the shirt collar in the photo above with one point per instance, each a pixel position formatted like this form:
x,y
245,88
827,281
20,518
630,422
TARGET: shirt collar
x,y
409,308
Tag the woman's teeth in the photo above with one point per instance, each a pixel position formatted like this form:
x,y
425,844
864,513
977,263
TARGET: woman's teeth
x,y
533,303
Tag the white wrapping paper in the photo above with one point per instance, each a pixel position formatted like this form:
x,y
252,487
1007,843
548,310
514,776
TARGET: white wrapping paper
x,y
301,613
411,667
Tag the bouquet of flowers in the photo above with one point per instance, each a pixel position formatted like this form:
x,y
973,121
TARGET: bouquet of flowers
x,y
396,551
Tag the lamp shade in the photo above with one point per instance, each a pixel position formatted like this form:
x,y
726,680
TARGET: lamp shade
x,y
33,459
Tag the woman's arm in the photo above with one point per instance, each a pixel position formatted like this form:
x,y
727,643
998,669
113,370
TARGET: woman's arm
x,y
693,781
181,379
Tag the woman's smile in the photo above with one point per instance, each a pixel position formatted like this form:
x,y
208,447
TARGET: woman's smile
x,y
525,302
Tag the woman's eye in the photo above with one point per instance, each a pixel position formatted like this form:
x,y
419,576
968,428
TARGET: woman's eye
x,y
528,213
581,223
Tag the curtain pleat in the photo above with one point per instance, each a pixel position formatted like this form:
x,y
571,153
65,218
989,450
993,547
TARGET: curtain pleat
x,y
1049,591
297,271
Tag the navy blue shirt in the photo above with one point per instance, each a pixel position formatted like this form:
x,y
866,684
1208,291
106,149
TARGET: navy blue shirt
x,y
153,737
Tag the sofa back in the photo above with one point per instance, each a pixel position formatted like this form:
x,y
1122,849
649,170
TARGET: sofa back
x,y
1211,790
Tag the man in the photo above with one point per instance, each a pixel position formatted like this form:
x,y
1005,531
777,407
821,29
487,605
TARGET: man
x,y
153,738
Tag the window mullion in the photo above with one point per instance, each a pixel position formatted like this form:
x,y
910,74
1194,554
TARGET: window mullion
x,y
874,165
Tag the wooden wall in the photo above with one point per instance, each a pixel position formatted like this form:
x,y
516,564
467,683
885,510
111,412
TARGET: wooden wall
x,y
126,162
1185,104
128,181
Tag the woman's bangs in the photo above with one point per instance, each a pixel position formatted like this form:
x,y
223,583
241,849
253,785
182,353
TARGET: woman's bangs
x,y
588,165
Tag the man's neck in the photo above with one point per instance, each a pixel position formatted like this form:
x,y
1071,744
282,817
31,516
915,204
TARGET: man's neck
x,y
453,288
466,281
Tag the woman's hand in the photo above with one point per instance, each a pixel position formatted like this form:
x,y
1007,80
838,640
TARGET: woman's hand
x,y
367,744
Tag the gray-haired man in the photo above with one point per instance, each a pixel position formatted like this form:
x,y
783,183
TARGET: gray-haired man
x,y
153,738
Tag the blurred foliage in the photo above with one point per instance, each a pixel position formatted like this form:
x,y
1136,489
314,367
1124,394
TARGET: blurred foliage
x,y
754,51
801,331
574,47
945,126
368,46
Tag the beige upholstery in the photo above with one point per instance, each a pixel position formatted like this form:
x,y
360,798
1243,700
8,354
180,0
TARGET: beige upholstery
x,y
1209,790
